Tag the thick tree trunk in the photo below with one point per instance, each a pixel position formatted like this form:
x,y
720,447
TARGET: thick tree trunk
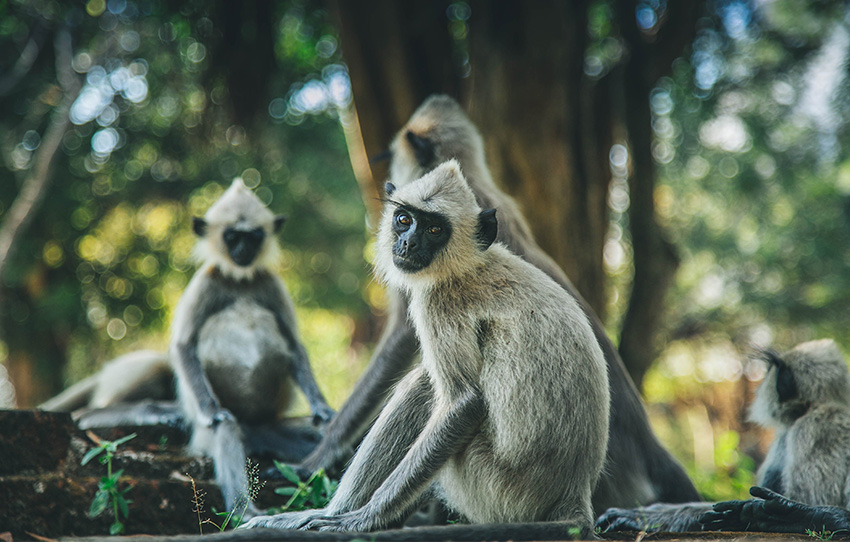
x,y
398,54
547,130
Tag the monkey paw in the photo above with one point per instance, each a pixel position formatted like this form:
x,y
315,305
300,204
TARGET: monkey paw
x,y
622,519
322,415
287,520
355,521
771,512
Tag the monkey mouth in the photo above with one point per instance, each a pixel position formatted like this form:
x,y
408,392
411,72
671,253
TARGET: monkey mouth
x,y
408,265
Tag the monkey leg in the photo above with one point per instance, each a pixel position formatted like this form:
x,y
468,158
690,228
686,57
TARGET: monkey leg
x,y
394,355
384,447
284,440
772,513
143,413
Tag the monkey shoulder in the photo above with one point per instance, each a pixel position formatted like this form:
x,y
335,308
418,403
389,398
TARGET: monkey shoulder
x,y
822,429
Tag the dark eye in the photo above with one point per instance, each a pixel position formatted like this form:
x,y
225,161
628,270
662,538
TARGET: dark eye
x,y
403,219
435,230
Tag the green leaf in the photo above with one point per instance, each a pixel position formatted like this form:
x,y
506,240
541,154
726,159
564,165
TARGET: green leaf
x,y
116,528
122,505
287,472
91,454
286,491
99,503
117,474
122,440
106,483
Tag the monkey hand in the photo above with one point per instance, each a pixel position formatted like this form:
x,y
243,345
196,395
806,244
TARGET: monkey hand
x,y
214,418
623,519
287,520
322,414
355,521
771,512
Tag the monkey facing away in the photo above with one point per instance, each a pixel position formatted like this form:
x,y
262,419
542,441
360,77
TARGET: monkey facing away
x,y
234,346
805,398
507,414
638,469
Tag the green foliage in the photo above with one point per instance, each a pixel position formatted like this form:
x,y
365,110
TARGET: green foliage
x,y
109,253
108,491
316,492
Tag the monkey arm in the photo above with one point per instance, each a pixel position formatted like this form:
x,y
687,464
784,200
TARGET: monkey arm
x,y
773,513
396,429
303,374
195,389
448,431
394,355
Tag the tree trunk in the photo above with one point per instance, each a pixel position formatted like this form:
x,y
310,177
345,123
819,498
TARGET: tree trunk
x,y
398,54
650,56
547,129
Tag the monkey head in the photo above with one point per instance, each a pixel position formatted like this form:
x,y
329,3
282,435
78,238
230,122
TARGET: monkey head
x,y
236,234
811,373
437,131
432,229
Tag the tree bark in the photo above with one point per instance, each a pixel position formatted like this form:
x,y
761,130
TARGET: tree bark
x,y
398,54
547,128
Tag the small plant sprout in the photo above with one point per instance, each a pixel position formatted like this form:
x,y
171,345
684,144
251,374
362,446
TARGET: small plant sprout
x,y
107,488
234,516
316,492
823,534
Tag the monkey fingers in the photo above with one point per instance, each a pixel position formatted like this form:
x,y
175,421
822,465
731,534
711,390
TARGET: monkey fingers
x,y
286,520
354,521
622,519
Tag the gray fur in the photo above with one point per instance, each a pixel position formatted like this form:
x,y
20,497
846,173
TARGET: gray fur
x,y
638,469
507,415
234,343
809,459
144,374
812,450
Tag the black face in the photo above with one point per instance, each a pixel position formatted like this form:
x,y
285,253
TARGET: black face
x,y
786,385
243,245
420,236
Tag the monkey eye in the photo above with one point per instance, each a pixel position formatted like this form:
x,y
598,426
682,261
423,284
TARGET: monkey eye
x,y
435,230
404,219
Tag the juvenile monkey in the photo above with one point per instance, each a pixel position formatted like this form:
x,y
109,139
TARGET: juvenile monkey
x,y
638,469
234,347
507,415
805,398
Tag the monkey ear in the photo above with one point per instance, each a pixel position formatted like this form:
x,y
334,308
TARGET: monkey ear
x,y
389,188
488,228
199,226
786,385
278,222
423,148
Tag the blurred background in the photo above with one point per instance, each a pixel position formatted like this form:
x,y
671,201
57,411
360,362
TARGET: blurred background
x,y
685,162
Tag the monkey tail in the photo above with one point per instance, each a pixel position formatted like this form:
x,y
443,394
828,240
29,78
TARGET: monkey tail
x,y
224,445
76,396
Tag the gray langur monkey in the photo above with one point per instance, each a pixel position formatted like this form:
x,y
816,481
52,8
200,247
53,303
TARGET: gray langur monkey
x,y
638,469
234,349
805,478
507,414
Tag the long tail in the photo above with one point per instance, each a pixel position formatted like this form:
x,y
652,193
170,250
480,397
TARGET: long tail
x,y
225,446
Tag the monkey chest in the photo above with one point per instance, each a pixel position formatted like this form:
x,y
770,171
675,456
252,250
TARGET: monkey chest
x,y
245,357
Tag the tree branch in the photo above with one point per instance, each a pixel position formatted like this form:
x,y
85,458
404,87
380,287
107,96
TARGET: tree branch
x,y
37,182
